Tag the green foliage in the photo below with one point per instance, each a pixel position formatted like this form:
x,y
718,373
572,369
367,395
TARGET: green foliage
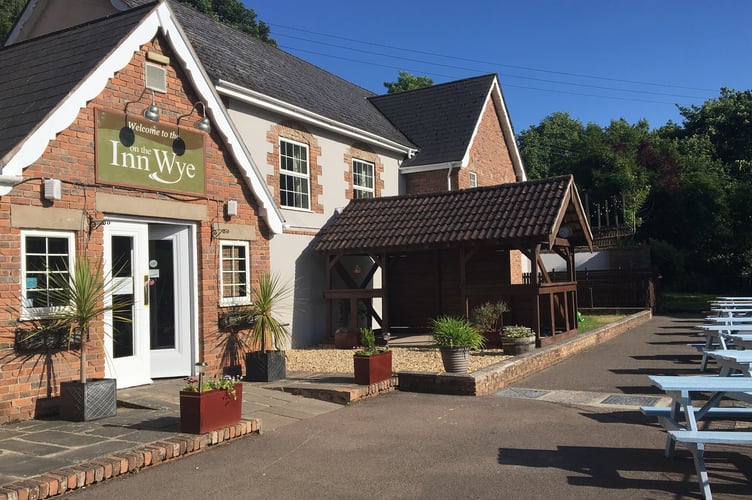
x,y
9,12
269,295
235,14
406,82
224,383
368,341
684,189
454,331
489,316
81,293
518,332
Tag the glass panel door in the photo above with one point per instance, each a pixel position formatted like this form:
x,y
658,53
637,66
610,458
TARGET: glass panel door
x,y
127,338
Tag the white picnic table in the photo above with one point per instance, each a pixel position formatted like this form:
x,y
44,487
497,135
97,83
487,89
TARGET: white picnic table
x,y
717,337
741,339
681,419
733,360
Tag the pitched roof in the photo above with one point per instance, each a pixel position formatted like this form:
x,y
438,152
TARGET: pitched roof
x,y
38,74
50,78
232,56
439,119
511,214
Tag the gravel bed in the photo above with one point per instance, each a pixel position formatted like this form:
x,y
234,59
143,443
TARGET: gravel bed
x,y
419,359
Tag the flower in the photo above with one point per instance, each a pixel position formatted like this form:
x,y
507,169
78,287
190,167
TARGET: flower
x,y
226,383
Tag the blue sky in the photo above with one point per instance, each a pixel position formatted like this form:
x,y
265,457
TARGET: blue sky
x,y
596,60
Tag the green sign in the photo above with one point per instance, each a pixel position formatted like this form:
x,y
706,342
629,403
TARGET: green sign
x,y
149,155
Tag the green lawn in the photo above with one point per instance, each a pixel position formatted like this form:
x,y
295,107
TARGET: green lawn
x,y
684,301
593,321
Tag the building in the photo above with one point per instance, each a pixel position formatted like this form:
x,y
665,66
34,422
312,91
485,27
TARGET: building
x,y
290,145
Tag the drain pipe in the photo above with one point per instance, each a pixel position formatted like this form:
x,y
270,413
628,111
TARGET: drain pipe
x,y
452,165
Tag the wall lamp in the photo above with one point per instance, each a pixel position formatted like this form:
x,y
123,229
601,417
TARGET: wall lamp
x,y
203,124
127,137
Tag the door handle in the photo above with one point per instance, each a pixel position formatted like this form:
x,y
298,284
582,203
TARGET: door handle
x,y
146,289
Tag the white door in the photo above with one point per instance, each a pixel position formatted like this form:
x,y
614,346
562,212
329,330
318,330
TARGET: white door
x,y
150,264
127,340
170,300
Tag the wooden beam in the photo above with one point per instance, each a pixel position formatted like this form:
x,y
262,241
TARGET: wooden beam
x,y
385,295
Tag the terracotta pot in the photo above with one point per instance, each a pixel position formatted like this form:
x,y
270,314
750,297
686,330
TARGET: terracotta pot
x,y
202,412
372,369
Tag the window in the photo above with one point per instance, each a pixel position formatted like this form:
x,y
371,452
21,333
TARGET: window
x,y
362,179
473,179
294,177
44,254
235,279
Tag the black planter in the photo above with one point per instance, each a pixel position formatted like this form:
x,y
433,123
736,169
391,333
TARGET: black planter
x,y
95,399
265,366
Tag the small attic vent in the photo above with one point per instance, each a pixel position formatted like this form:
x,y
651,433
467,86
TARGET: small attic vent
x,y
156,77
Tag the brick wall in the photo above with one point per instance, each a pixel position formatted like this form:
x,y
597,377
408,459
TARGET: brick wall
x,y
364,153
489,155
296,132
29,383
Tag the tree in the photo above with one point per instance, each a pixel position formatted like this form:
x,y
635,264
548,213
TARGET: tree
x,y
234,13
407,81
9,12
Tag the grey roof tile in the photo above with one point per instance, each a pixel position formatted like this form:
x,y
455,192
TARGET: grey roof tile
x,y
505,214
233,56
439,119
36,75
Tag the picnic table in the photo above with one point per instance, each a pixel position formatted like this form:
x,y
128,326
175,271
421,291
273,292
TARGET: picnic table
x,y
681,419
741,339
719,336
733,360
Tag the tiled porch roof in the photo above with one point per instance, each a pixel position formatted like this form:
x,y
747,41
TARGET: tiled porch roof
x,y
513,215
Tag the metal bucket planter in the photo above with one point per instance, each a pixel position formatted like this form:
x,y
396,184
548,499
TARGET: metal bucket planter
x,y
455,359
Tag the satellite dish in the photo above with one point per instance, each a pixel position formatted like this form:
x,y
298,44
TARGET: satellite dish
x,y
565,232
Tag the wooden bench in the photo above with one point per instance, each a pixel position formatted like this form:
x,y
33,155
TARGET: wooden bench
x,y
696,441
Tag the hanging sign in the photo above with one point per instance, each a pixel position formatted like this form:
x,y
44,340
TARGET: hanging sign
x,y
150,155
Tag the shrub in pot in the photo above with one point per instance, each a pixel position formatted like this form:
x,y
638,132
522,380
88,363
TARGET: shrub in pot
x,y
372,364
77,297
488,318
270,336
518,339
456,337
208,405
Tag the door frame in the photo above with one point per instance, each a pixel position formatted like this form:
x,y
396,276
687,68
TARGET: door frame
x,y
193,295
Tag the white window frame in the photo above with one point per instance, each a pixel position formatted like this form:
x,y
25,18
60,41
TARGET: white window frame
x,y
360,188
285,172
42,312
473,179
240,300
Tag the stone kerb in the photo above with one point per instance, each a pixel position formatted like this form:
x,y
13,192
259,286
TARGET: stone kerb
x,y
495,377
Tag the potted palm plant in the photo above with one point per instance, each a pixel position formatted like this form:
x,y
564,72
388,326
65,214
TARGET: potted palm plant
x,y
79,297
267,333
455,337
372,364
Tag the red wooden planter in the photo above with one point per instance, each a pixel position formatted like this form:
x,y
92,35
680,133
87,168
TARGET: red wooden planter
x,y
202,412
372,369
